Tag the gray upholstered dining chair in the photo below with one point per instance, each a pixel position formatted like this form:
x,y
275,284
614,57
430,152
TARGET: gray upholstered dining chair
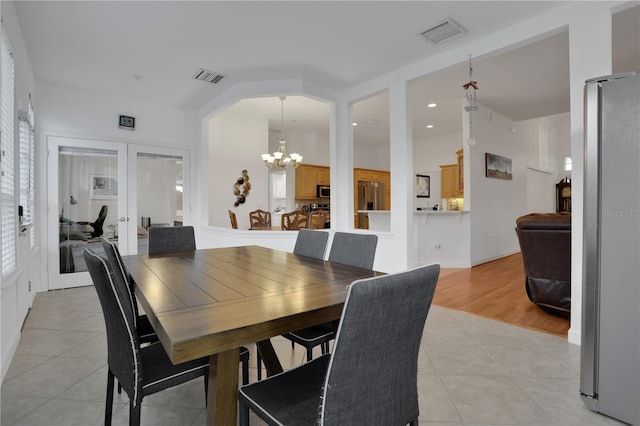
x,y
370,378
140,370
309,243
170,239
145,330
356,250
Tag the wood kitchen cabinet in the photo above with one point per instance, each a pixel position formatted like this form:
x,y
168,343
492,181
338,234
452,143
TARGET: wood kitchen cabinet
x,y
322,175
448,180
460,171
308,177
452,178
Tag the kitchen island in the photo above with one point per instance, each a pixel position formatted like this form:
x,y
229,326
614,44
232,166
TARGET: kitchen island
x,y
440,236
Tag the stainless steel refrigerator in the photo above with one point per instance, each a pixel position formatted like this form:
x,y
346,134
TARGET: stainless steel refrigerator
x,y
610,351
370,197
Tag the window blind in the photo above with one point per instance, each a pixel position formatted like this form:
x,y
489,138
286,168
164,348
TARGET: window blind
x,y
32,173
7,185
25,175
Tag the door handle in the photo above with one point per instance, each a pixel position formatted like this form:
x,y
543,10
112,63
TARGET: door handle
x,y
124,219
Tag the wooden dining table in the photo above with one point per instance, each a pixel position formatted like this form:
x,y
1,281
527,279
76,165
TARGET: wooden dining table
x,y
210,302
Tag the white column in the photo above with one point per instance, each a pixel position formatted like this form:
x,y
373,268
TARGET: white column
x,y
341,160
402,177
589,56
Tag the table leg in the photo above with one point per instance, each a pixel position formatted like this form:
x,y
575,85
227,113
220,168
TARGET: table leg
x,y
269,357
222,401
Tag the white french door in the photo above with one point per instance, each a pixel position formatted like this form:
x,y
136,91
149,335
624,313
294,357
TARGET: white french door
x,y
104,189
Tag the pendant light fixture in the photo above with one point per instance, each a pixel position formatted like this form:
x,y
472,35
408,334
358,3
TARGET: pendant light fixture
x,y
470,93
279,158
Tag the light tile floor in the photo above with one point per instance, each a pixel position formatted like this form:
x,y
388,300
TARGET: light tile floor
x,y
471,371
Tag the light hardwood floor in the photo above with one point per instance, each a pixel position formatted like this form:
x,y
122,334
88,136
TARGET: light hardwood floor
x,y
496,290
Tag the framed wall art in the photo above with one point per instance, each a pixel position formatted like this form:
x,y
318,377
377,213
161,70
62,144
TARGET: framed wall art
x,y
423,186
498,167
103,187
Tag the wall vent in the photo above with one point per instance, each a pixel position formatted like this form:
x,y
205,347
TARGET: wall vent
x,y
443,30
208,76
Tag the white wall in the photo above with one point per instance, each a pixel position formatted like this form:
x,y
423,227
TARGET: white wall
x,y
549,141
495,204
313,146
17,290
236,143
65,111
371,157
428,155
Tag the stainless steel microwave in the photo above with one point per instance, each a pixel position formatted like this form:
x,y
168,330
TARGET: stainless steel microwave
x,y
324,191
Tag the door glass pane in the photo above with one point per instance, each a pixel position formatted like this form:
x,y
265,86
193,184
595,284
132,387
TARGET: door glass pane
x,y
88,200
160,188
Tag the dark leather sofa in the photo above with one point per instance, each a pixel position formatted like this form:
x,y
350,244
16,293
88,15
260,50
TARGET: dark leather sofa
x,y
545,241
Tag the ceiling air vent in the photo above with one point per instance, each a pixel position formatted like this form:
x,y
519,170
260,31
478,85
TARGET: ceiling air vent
x,y
443,30
208,76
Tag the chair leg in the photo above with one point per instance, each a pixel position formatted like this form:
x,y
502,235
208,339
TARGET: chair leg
x,y
108,408
259,362
309,354
134,413
243,413
206,389
119,387
245,372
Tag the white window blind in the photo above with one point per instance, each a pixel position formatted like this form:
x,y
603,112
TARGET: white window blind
x,y
9,211
32,172
27,169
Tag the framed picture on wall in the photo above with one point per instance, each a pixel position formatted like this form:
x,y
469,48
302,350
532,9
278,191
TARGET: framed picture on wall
x,y
423,186
103,187
498,167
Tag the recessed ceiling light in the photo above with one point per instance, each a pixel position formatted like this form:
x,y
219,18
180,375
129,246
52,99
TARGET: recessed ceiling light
x,y
432,105
429,126
355,124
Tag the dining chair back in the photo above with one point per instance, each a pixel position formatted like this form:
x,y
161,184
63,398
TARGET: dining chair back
x,y
294,220
317,219
371,375
171,239
140,370
357,250
311,243
259,219
146,333
234,220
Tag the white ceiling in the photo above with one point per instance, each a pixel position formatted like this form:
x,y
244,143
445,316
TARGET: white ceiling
x,y
150,50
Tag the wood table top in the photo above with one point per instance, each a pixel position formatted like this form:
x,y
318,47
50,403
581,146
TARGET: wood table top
x,y
213,300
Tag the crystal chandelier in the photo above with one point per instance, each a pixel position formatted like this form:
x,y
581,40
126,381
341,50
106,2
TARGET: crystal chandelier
x,y
279,158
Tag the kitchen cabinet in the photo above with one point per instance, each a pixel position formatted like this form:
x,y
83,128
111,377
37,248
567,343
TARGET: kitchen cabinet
x,y
448,180
460,183
308,177
322,175
452,178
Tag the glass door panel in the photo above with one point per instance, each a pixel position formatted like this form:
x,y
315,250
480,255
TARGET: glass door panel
x,y
158,193
86,202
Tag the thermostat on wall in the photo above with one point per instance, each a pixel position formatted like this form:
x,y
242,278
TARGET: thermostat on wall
x,y
127,122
